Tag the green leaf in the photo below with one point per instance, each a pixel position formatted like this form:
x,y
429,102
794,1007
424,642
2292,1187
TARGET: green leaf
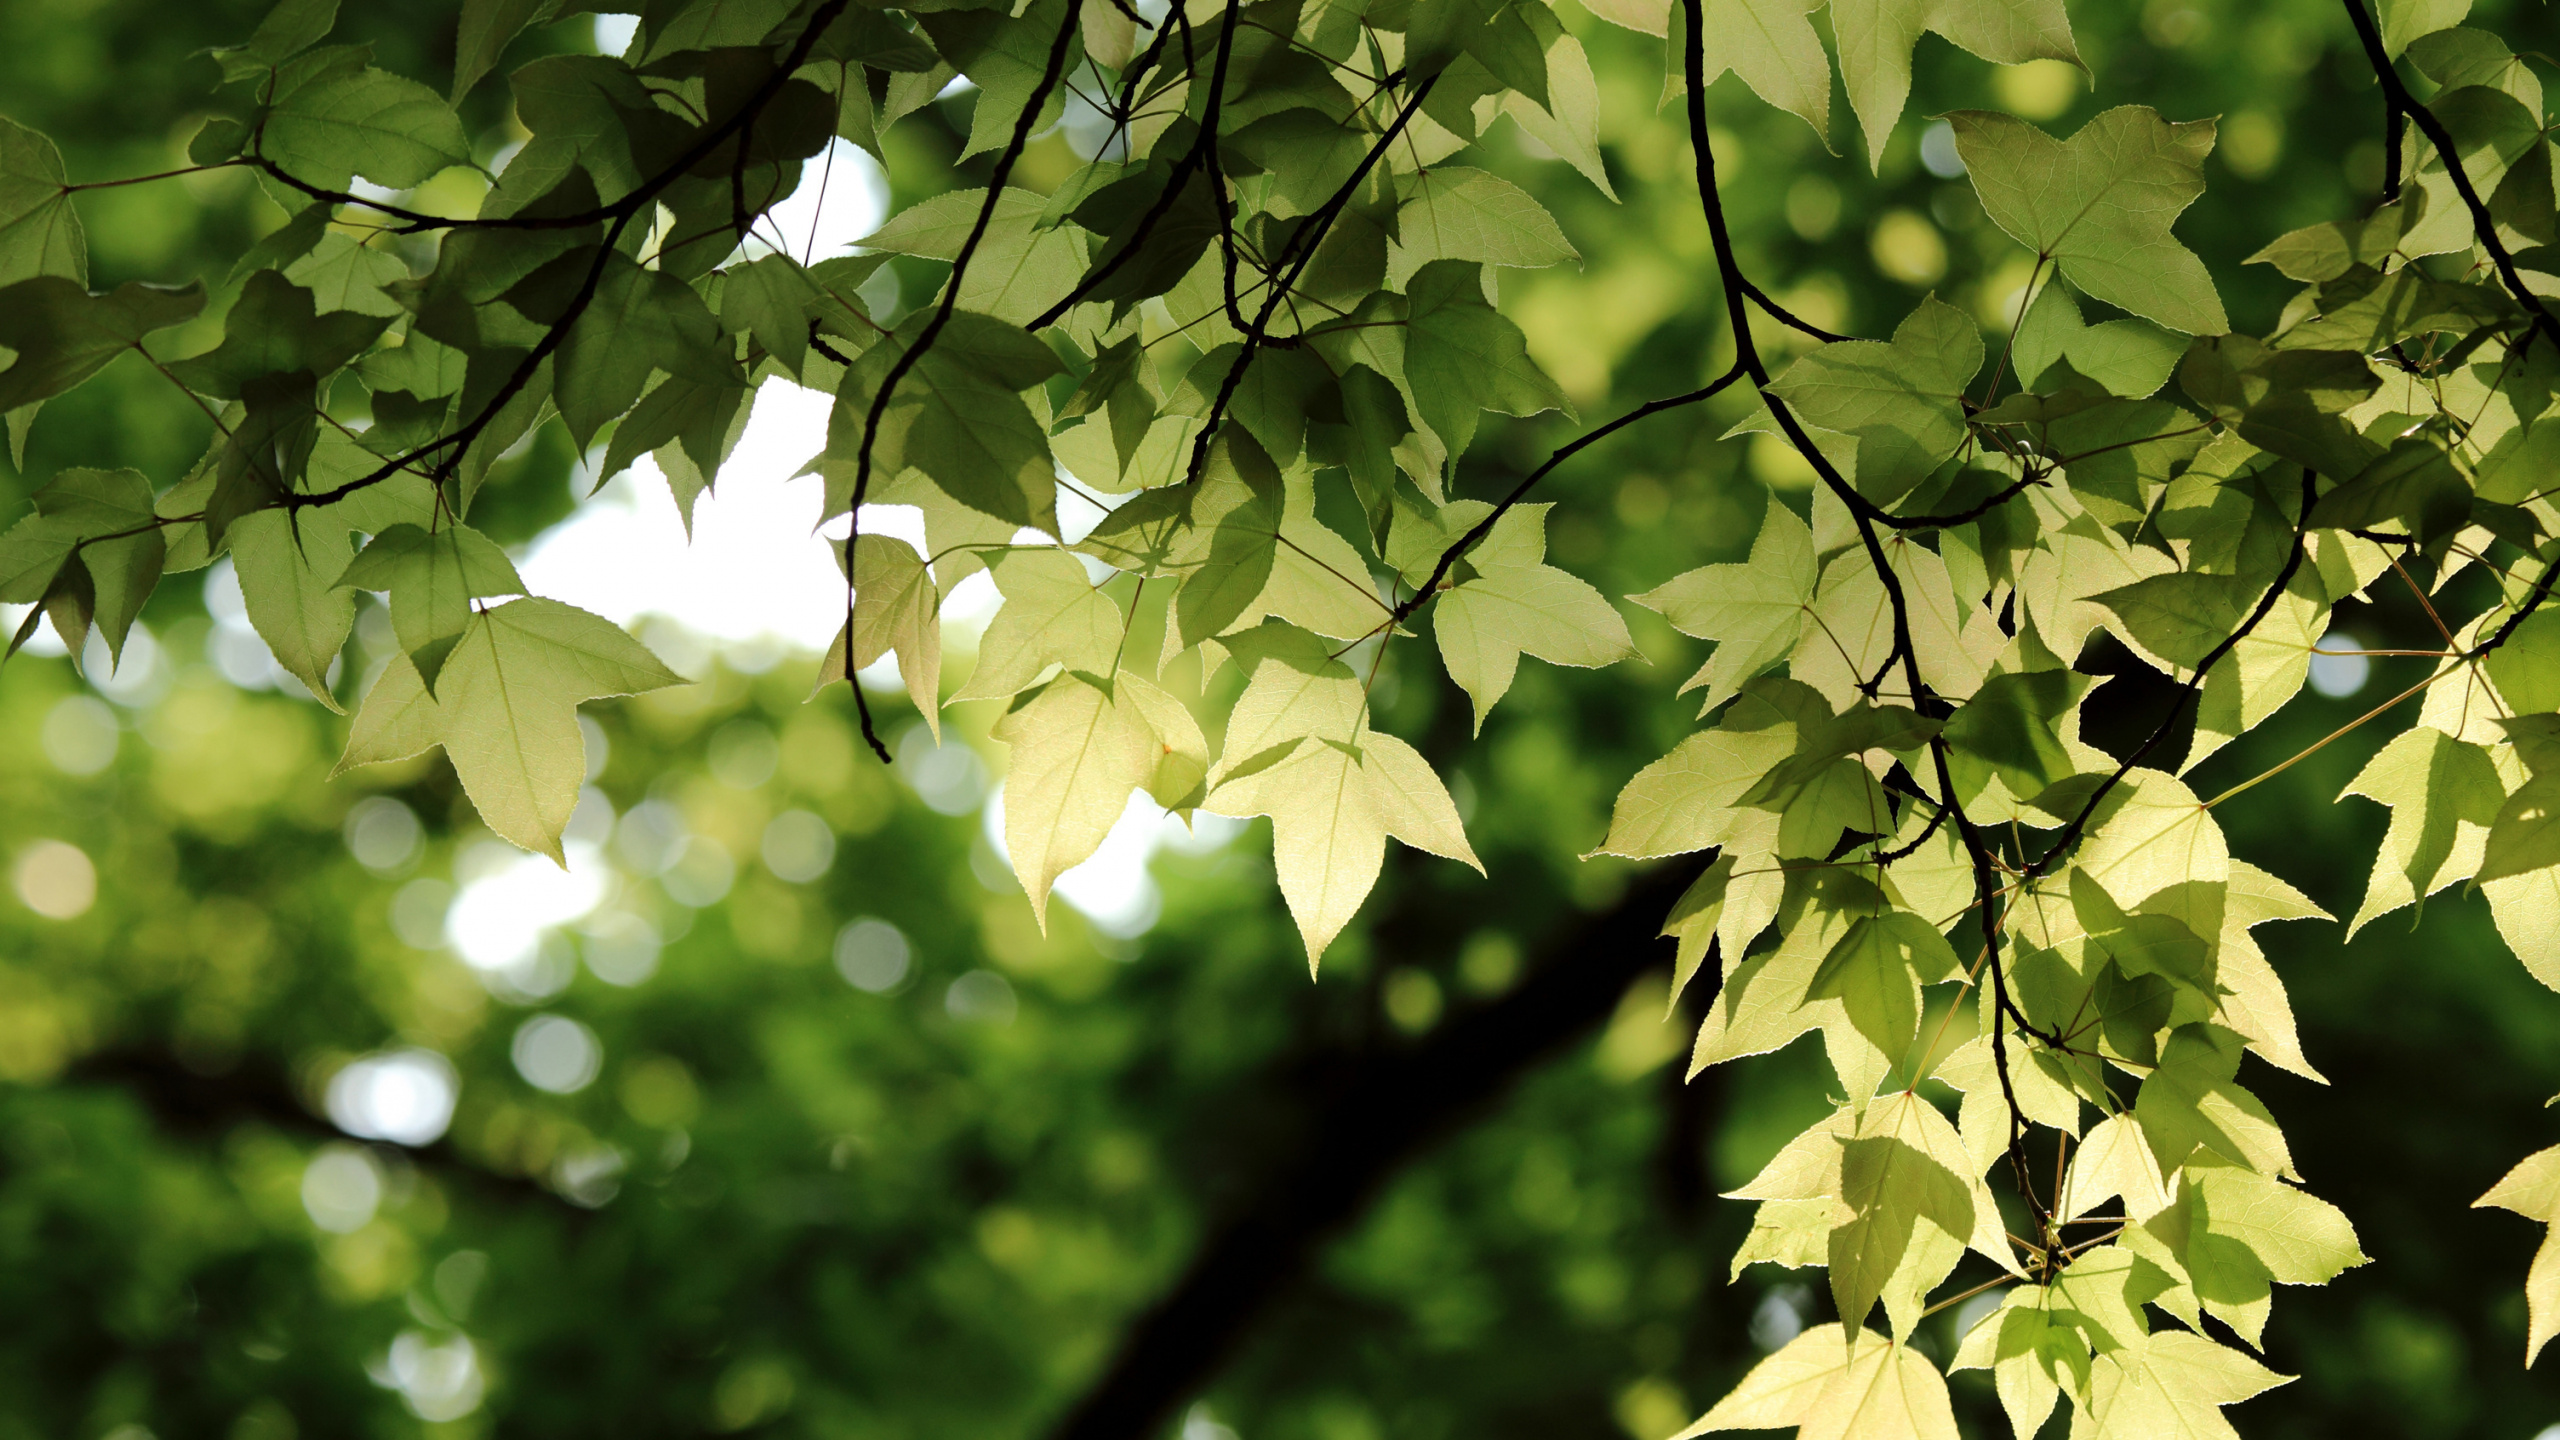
x,y
1273,399
896,607
1876,36
1237,508
2147,944
1317,580
1893,1176
2532,1190
1877,970
101,521
1517,605
288,582
2492,131
1753,611
432,580
717,25
2404,21
1771,44
2129,358
507,712
2264,671
2174,1385
486,28
2293,1238
2326,251
2366,312
2191,1100
959,417
290,242
770,298
1168,252
40,232
2182,616
1458,213
1006,56
1863,727
1078,751
343,275
2526,669
387,128
290,28
2100,204
63,334
639,320
2287,401
590,112
2010,729
1904,401
2150,834
1690,799
1462,356
2113,1161
275,329
2465,56
1117,386
1693,920
2443,795
1870,1387
1569,124
1018,269
1337,789
1052,616
2033,1347
2526,835
2413,485
691,426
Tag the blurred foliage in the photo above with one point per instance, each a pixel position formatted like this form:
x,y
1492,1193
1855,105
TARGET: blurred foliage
x,y
786,1205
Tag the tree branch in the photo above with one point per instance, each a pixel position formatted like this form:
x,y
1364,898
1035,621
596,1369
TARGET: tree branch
x,y
1293,258
2267,602
1192,159
1571,448
1390,1108
620,212
909,358
2401,104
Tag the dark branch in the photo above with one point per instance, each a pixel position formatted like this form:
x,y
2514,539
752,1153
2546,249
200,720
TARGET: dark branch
x,y
909,358
1201,151
1484,527
2403,105
620,213
1387,1111
183,1102
1293,259
1789,318
2187,691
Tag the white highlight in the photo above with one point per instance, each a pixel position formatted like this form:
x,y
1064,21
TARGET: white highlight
x,y
341,1188
755,567
510,899
873,955
556,1053
2339,675
403,1096
843,196
438,1379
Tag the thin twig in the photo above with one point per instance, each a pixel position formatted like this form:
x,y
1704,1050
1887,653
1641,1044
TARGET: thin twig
x,y
914,353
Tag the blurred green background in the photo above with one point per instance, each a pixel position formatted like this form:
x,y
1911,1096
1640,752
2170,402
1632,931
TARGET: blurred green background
x,y
793,1125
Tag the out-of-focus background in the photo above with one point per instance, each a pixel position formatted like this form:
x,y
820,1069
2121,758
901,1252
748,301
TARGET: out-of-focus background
x,y
324,1114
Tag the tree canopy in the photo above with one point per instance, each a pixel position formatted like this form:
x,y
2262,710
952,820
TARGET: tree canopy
x,y
1239,354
